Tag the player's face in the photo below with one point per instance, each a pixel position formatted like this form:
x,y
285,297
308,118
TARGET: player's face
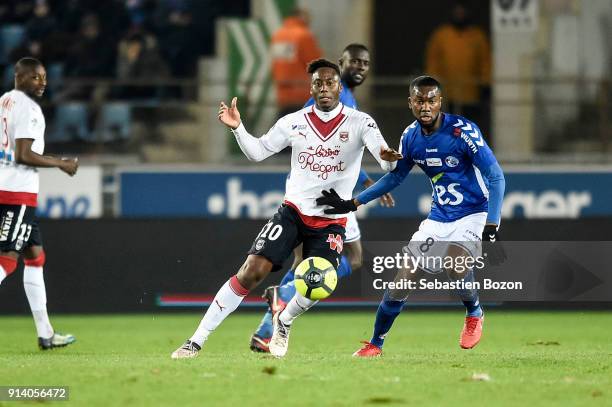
x,y
425,103
33,81
355,66
325,88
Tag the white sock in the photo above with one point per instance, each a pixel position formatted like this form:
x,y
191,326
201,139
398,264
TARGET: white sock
x,y
229,296
2,274
34,285
296,307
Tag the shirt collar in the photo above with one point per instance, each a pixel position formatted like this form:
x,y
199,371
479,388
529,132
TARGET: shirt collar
x,y
327,116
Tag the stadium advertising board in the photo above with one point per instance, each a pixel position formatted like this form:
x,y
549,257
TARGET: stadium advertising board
x,y
62,196
256,195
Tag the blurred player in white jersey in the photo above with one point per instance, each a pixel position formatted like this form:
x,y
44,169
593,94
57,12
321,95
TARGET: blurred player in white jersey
x,y
327,142
22,127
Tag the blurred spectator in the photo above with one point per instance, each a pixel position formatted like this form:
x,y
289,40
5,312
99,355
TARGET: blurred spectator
x,y
458,54
141,13
18,11
41,24
177,37
139,58
293,47
91,56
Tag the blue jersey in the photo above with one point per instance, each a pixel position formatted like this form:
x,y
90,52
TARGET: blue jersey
x,y
346,98
460,165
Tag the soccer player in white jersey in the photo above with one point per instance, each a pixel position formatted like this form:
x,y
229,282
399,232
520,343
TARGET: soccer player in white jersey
x,y
22,127
327,142
354,67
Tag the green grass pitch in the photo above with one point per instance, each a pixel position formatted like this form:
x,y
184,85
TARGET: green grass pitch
x,y
526,358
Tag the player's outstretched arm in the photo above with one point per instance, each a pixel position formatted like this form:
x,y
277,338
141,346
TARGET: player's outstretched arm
x,y
25,155
386,200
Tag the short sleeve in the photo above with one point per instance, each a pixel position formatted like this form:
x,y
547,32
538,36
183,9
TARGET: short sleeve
x,y
29,123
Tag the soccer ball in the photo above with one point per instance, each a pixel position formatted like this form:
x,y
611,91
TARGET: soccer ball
x,y
315,278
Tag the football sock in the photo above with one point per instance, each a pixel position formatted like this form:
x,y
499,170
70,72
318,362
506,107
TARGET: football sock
x,y
287,291
265,327
387,311
289,276
344,269
296,307
34,286
225,302
470,297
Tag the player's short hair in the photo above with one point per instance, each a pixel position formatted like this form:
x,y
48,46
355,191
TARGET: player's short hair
x,y
355,46
424,80
27,63
322,63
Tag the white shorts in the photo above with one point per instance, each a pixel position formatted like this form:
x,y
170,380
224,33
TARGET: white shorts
x,y
433,238
352,232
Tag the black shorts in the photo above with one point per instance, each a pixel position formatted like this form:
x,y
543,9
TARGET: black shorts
x,y
285,231
18,228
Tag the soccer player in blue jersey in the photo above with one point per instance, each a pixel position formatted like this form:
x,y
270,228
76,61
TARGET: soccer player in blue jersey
x,y
468,188
354,67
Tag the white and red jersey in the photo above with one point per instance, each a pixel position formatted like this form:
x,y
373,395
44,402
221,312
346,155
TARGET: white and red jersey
x,y
20,117
327,148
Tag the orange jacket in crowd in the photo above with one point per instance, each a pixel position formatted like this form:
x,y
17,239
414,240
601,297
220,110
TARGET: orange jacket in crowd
x,y
293,47
461,60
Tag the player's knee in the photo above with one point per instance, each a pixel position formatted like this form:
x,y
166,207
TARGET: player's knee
x,y
9,264
356,262
354,254
253,271
38,261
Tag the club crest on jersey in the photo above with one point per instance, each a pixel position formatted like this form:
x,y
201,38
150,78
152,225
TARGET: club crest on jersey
x,y
335,242
344,136
451,161
260,244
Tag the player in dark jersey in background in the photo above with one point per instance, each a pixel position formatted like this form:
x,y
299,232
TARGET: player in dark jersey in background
x,y
468,188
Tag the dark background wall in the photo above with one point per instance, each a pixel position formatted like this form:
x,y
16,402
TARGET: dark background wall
x,y
120,265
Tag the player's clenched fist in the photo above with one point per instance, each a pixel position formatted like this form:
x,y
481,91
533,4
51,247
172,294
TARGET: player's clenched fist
x,y
69,165
230,116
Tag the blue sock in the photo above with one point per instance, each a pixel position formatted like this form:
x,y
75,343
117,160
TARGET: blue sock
x,y
286,291
388,310
265,327
344,269
289,276
469,297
